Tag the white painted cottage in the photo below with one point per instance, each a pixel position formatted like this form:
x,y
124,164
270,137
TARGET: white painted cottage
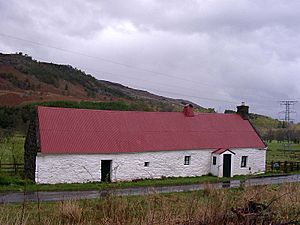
x,y
66,145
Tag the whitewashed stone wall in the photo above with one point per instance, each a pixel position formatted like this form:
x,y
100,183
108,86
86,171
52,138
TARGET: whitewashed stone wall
x,y
80,168
255,163
67,168
215,168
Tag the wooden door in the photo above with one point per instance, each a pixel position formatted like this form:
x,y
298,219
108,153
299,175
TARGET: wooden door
x,y
226,165
105,170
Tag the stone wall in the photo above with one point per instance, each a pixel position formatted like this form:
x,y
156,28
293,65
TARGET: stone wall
x,y
80,168
256,162
66,168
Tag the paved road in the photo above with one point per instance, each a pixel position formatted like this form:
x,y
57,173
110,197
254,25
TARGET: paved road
x,y
45,196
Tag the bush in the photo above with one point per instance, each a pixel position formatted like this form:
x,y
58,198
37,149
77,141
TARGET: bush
x,y
18,117
11,180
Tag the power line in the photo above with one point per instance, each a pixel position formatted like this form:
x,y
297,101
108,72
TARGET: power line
x,y
104,59
163,91
192,96
175,93
288,104
125,65
170,92
145,80
288,111
108,61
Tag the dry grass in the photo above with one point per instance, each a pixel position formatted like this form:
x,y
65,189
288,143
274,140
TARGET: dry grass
x,y
71,212
210,206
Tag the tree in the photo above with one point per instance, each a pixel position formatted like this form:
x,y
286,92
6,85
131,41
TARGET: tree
x,y
270,135
296,137
280,135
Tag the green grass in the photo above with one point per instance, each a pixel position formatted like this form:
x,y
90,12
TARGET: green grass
x,y
10,183
15,183
275,152
10,147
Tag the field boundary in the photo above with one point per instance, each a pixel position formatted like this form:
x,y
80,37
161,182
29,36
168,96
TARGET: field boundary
x,y
283,166
12,168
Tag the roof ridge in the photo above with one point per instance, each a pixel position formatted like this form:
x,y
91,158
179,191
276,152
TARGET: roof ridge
x,y
133,111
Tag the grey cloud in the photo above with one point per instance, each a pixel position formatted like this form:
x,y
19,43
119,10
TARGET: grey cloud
x,y
235,50
199,16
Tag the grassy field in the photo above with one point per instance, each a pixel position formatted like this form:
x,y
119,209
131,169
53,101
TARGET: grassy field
x,y
15,183
12,149
276,153
280,205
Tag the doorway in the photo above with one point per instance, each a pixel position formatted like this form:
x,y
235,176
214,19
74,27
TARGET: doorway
x,y
226,165
105,170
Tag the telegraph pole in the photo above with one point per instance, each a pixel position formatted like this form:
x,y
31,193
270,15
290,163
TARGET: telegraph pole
x,y
288,105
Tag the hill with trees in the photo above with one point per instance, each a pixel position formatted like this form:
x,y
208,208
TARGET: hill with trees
x,y
25,83
25,80
273,129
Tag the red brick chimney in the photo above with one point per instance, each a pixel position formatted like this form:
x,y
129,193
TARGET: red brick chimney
x,y
188,110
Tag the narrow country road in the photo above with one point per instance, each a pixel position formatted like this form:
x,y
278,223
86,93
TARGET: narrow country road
x,y
44,196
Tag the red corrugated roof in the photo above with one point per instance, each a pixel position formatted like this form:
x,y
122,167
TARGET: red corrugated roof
x,y
65,130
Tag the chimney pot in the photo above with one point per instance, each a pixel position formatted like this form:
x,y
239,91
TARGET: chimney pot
x,y
188,110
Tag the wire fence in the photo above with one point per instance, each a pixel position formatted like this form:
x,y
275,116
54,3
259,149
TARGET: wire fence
x,y
12,168
283,166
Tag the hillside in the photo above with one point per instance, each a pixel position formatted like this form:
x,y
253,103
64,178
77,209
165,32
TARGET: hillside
x,y
24,80
261,121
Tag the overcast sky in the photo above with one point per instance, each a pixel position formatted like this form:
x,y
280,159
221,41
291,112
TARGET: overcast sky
x,y
214,53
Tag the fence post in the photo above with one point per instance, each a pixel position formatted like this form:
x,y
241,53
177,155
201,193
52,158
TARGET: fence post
x,y
272,166
15,167
285,167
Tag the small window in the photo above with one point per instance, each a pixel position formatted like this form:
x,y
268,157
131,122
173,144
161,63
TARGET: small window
x,y
214,160
146,164
244,161
187,160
